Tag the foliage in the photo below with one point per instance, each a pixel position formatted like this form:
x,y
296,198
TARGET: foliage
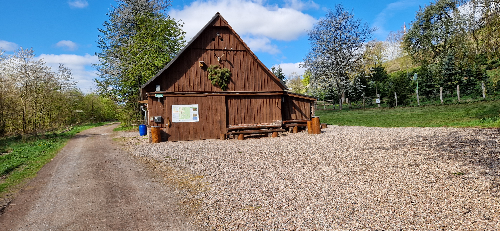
x,y
278,72
138,40
219,76
358,88
479,114
399,83
35,99
296,84
335,54
432,34
447,40
373,56
494,78
306,80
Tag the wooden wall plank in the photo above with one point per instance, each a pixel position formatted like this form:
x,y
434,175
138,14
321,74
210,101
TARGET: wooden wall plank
x,y
253,109
212,114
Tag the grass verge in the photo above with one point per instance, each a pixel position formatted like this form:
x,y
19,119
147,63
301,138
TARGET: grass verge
x,y
21,159
127,128
485,114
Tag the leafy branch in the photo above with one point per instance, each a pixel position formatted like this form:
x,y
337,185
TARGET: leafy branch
x,y
219,76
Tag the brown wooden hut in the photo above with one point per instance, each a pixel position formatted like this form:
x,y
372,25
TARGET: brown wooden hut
x,y
182,101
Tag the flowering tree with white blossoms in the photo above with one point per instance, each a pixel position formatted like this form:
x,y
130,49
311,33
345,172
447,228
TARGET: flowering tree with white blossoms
x,y
336,51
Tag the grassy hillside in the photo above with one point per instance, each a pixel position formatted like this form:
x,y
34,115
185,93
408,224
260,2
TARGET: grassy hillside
x,y
484,114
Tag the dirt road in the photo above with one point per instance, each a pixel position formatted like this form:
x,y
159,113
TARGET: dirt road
x,y
92,184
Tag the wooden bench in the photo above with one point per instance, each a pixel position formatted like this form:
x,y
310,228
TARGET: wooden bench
x,y
294,125
254,129
241,134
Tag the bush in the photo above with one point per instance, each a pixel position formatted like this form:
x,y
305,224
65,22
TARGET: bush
x,y
399,83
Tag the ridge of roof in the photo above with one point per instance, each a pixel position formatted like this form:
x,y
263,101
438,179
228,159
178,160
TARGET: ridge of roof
x,y
278,81
181,51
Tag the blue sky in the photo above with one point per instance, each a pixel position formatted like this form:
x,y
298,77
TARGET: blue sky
x,y
65,31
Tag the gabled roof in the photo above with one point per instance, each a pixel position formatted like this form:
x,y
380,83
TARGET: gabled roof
x,y
217,15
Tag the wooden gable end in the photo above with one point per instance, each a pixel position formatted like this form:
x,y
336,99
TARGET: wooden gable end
x,y
185,74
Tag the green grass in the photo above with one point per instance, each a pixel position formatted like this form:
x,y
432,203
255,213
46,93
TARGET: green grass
x,y
21,159
484,114
127,128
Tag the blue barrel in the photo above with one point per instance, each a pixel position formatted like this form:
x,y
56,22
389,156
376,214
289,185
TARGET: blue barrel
x,y
143,130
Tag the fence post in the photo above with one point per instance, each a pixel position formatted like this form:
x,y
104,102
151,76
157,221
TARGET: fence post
x,y
441,94
418,99
396,97
458,93
484,90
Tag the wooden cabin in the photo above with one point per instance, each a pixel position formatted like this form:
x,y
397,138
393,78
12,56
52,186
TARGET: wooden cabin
x,y
184,103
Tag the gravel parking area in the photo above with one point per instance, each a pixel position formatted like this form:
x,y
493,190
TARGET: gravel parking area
x,y
344,178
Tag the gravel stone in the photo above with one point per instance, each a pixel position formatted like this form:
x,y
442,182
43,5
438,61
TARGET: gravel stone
x,y
345,178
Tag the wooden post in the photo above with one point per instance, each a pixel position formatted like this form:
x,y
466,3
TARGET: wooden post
x,y
309,127
295,129
363,102
316,125
484,90
458,93
441,94
275,134
155,134
241,137
222,136
418,99
396,97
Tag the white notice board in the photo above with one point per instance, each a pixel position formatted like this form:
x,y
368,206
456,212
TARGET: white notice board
x,y
185,113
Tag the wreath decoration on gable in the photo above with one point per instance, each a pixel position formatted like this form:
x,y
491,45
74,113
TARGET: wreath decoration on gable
x,y
219,76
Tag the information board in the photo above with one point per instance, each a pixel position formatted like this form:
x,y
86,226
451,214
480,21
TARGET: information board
x,y
185,113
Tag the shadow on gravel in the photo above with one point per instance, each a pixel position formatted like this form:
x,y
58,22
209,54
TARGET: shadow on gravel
x,y
481,151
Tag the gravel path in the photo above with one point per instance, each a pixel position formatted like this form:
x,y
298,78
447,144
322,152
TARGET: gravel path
x,y
344,178
92,184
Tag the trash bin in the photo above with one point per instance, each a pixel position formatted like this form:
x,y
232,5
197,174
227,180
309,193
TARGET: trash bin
x,y
155,134
143,130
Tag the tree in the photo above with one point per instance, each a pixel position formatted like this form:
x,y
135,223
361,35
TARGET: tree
x,y
399,83
34,98
373,55
306,81
138,40
483,21
31,94
295,84
278,72
398,58
433,33
336,51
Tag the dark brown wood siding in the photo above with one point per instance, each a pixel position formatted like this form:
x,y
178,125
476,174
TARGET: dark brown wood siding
x,y
212,117
296,108
253,109
186,75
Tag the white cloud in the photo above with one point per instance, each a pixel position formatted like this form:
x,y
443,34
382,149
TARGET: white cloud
x,y
80,66
78,4
289,68
300,5
262,44
8,46
68,45
247,18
